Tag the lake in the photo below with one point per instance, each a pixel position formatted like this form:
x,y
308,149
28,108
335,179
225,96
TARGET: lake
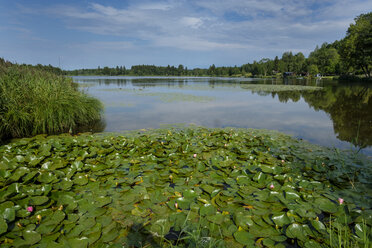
x,y
322,112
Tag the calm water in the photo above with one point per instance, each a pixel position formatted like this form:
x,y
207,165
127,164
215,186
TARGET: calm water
x,y
337,115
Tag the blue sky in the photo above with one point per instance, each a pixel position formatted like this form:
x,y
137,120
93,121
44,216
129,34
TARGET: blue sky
x,y
195,33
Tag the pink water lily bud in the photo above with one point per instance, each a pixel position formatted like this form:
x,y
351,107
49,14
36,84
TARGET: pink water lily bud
x,y
30,209
272,186
283,161
340,200
194,155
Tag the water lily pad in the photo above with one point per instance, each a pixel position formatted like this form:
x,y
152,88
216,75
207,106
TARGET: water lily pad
x,y
161,227
78,242
207,209
244,238
80,180
281,219
325,205
38,200
318,225
9,214
46,177
102,201
31,237
295,231
20,172
218,218
3,226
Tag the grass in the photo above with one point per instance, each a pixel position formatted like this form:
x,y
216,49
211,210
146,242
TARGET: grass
x,y
33,101
341,236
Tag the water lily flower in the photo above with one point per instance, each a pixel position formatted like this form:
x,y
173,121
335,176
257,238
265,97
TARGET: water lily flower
x,y
30,209
194,155
340,200
38,217
272,186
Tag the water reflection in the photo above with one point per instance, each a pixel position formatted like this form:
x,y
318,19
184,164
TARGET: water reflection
x,y
350,108
337,115
348,105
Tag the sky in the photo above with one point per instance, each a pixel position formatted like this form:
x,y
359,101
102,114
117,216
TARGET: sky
x,y
75,34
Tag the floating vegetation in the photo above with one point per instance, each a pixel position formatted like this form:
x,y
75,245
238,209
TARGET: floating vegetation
x,y
278,88
86,85
180,187
119,104
119,89
165,97
178,97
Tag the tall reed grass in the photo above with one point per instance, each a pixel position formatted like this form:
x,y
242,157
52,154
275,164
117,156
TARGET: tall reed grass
x,y
34,101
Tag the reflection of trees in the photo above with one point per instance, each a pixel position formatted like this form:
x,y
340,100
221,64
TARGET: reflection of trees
x,y
349,107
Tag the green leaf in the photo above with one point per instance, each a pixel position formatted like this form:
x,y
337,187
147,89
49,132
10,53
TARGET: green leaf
x,y
9,214
189,194
102,201
218,218
290,195
281,219
318,225
3,226
20,172
38,200
161,227
78,242
46,177
244,238
325,205
207,209
295,231
80,180
312,244
31,237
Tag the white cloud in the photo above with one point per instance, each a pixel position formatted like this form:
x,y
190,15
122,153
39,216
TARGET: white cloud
x,y
258,27
192,22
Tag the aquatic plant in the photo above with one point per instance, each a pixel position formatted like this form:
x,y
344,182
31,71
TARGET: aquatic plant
x,y
146,188
35,101
278,87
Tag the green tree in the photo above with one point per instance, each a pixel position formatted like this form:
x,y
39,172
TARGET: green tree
x,y
356,47
288,61
313,70
325,58
299,62
276,64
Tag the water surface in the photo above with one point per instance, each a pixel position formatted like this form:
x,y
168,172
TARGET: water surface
x,y
322,112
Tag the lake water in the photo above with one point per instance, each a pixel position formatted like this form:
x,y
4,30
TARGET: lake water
x,y
322,112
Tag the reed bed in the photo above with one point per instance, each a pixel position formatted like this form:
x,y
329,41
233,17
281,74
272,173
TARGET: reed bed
x,y
34,101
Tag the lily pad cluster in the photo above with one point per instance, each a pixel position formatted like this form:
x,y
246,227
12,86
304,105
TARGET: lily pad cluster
x,y
175,187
